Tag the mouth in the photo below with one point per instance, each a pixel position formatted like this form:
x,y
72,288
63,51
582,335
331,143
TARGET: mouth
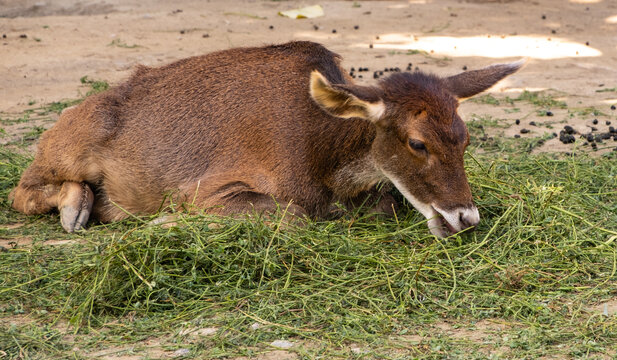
x,y
445,225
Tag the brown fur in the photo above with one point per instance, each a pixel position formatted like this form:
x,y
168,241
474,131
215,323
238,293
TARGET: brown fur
x,y
238,130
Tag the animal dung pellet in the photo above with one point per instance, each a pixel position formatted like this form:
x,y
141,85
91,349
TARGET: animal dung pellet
x,y
370,46
613,107
182,31
4,36
517,136
569,129
271,27
611,129
593,128
543,17
594,146
608,122
334,31
587,43
517,121
524,131
205,35
532,123
549,113
595,121
315,27
589,137
356,27
23,36
464,67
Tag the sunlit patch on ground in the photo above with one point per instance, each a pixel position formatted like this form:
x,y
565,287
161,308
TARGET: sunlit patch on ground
x,y
487,46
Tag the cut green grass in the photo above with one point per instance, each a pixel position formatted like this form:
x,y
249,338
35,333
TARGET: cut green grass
x,y
543,256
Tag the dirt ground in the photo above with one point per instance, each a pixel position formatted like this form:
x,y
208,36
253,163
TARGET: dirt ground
x,y
571,46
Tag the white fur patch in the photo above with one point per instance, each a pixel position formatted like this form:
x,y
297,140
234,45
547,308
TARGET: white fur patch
x,y
453,217
376,110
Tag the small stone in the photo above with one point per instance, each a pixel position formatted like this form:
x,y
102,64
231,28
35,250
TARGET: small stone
x,y
181,352
283,344
569,129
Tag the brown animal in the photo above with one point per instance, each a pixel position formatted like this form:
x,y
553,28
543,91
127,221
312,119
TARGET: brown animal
x,y
252,129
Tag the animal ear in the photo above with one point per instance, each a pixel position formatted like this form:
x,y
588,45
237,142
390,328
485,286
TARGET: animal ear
x,y
347,101
472,82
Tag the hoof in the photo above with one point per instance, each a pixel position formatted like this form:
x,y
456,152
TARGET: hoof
x,y
75,206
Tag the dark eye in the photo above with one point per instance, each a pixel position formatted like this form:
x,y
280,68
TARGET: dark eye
x,y
417,145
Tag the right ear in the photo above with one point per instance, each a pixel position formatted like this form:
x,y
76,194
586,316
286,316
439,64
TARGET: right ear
x,y
347,101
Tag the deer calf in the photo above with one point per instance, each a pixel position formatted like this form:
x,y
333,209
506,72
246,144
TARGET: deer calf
x,y
247,129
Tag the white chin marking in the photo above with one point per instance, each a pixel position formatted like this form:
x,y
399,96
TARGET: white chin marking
x,y
441,223
460,218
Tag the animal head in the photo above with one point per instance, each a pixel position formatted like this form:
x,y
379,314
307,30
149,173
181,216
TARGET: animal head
x,y
420,138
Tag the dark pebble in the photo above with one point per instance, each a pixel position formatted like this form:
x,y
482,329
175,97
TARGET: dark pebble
x,y
370,46
356,27
554,135
589,137
613,107
365,69
543,17
569,129
206,35
566,138
595,121
608,122
587,43
594,146
549,113
23,36
381,73
611,130
392,70
517,136
386,70
351,73
182,31
517,121
375,75
541,142
334,31
4,36
271,27
532,123
464,67
524,131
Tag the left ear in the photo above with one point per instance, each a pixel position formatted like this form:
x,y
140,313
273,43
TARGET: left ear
x,y
347,100
472,82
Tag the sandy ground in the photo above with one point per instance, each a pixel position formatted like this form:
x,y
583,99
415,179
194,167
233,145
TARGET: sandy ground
x,y
571,46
